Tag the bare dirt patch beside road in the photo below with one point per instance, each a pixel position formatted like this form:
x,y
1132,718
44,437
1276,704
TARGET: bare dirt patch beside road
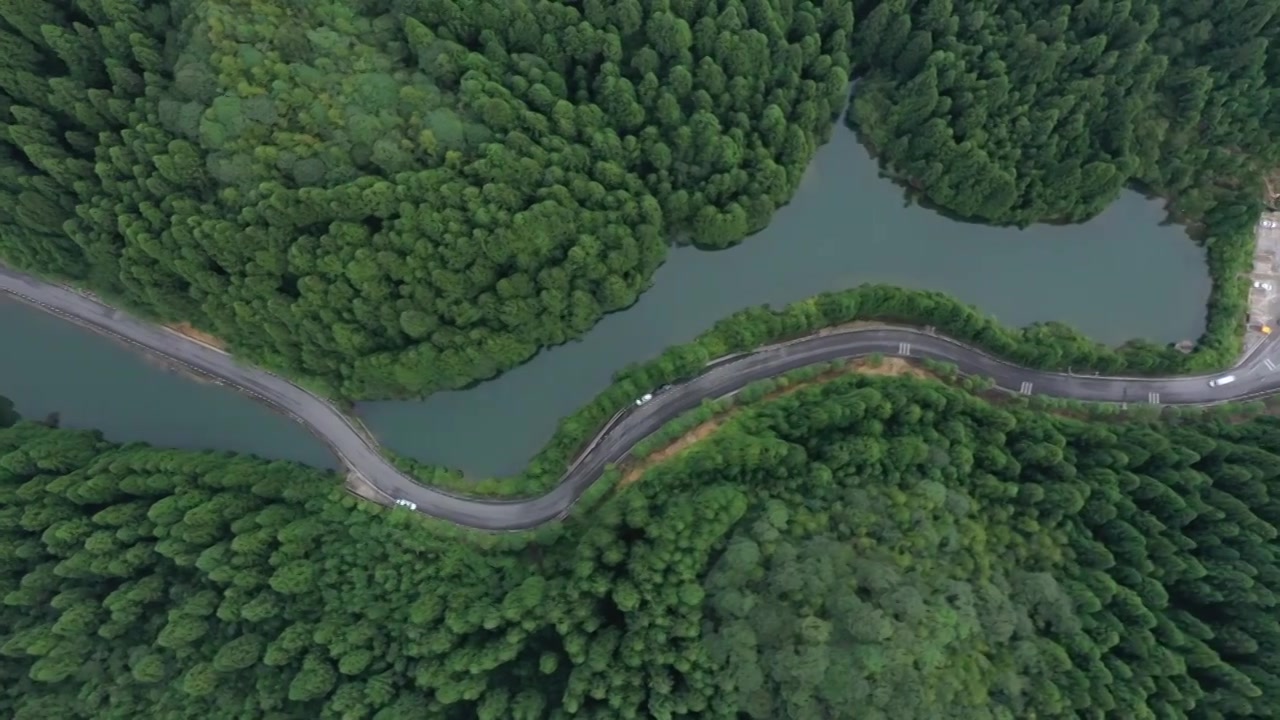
x,y
199,336
677,446
357,485
891,367
886,367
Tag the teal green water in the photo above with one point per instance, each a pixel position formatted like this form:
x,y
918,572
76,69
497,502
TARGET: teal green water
x,y
50,365
1122,275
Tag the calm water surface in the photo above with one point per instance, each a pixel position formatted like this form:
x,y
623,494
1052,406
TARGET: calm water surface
x,y
1122,275
50,365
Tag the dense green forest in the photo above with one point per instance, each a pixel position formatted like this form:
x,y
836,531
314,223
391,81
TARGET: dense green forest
x,y
1027,110
398,196
1018,111
866,547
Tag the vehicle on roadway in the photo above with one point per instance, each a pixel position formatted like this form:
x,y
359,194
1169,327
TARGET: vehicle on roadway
x,y
1224,380
644,398
362,454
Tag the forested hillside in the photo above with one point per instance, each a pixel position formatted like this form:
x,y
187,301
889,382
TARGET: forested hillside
x,y
1016,111
869,547
399,196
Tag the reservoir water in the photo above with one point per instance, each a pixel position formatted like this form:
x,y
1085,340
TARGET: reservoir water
x,y
1122,275
49,365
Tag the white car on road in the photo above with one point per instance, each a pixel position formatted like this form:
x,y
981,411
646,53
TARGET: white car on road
x,y
407,503
644,398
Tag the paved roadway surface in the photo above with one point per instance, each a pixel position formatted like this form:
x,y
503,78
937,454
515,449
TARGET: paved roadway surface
x,y
1255,375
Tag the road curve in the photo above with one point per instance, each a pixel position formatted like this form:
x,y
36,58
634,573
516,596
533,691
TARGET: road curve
x,y
1255,378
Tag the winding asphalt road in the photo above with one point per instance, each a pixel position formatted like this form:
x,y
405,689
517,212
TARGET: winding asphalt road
x,y
1256,376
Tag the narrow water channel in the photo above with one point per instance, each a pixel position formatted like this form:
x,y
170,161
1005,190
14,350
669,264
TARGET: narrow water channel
x,y
1122,275
49,365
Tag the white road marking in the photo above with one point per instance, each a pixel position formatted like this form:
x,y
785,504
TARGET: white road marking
x,y
1025,389
1153,398
904,348
1270,365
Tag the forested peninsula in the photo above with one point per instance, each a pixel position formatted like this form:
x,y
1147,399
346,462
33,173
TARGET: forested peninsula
x,y
393,197
858,546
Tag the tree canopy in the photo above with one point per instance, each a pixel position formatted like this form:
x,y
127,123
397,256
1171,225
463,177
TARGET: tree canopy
x,y
396,198
392,198
871,547
1017,111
